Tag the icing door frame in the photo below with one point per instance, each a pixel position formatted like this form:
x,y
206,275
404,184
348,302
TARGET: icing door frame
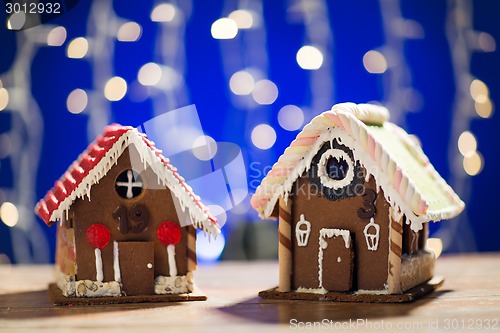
x,y
335,260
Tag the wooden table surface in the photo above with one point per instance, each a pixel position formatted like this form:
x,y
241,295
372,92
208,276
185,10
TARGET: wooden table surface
x,y
469,300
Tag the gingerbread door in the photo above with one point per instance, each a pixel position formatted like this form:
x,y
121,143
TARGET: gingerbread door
x,y
137,267
336,259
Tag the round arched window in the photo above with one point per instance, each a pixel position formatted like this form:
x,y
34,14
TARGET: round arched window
x,y
129,184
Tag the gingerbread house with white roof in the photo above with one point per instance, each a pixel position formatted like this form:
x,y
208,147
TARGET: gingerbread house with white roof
x,y
127,224
353,194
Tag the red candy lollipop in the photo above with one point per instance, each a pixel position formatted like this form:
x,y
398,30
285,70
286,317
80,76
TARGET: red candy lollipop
x,y
98,235
168,233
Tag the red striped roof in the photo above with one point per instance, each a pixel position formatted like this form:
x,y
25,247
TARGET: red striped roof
x,y
88,160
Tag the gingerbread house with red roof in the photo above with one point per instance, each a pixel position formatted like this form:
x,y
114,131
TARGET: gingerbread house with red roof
x,y
127,224
353,194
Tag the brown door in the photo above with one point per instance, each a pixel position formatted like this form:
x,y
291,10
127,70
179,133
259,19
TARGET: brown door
x,y
336,259
137,267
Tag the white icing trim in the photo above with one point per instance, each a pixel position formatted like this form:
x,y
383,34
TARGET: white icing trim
x,y
172,266
330,233
321,291
372,238
98,265
302,235
165,173
116,262
323,174
174,284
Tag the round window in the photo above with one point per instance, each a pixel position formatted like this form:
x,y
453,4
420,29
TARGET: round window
x,y
335,169
128,184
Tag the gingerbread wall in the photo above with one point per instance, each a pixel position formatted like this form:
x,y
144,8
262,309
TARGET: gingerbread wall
x,y
100,207
370,267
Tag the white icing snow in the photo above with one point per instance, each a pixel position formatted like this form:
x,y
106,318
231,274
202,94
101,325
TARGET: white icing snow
x,y
98,265
321,291
116,262
325,179
372,238
174,284
382,180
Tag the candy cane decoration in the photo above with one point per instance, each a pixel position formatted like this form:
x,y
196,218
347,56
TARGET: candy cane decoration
x,y
98,236
285,244
169,234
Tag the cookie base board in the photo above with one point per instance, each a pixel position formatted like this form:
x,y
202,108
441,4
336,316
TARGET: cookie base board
x,y
57,298
408,296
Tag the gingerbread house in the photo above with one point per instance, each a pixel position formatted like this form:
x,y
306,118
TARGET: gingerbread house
x,y
127,224
353,194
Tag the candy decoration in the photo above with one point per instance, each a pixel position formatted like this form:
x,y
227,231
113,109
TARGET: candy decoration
x,y
169,234
98,236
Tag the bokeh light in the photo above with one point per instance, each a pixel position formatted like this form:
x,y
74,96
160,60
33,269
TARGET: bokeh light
x,y
263,136
209,250
291,117
467,143
242,83
9,214
164,12
243,18
479,91
77,101
4,98
265,92
204,147
309,57
149,74
435,245
56,36
484,109
115,89
129,32
224,28
77,48
374,62
473,164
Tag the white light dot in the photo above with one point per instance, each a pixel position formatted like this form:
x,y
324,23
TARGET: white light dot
x,y
242,83
473,164
291,117
484,109
16,21
149,74
170,78
129,32
164,12
77,101
265,92
115,89
309,57
9,214
4,98
486,42
224,28
77,48
467,144
263,136
209,251
479,91
374,62
204,148
243,18
56,36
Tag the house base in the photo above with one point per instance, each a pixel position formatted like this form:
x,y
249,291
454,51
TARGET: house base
x,y
58,298
408,296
